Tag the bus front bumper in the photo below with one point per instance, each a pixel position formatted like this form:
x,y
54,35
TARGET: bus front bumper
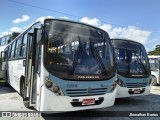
x,y
53,104
129,92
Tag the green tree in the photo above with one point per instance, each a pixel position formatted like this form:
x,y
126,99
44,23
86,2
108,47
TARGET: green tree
x,y
156,51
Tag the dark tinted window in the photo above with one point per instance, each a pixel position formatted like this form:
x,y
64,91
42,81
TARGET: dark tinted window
x,y
131,58
75,49
9,51
17,47
23,46
12,50
8,38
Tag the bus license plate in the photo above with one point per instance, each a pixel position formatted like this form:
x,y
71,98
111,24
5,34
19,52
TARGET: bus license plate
x,y
88,101
137,91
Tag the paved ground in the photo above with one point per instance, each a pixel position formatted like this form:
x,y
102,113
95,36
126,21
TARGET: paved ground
x,y
11,101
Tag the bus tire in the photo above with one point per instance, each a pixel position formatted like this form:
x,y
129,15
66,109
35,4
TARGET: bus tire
x,y
154,81
26,102
6,78
22,86
6,75
22,90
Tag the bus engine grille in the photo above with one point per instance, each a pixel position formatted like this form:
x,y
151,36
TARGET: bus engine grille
x,y
136,85
86,92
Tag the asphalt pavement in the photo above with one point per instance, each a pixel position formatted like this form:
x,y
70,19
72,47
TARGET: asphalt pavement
x,y
10,100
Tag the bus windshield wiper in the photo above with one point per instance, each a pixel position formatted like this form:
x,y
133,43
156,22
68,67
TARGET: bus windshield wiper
x,y
98,58
76,56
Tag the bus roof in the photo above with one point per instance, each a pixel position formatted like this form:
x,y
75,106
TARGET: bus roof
x,y
42,19
126,40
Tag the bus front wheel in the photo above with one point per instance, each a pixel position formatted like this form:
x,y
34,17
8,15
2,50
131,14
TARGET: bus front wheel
x,y
154,81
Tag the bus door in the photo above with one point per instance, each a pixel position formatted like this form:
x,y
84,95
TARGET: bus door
x,y
2,64
30,73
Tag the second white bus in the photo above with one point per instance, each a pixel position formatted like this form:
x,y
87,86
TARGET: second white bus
x,y
134,76
4,41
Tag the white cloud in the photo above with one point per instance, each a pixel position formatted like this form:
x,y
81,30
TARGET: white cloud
x,y
4,33
93,21
23,19
130,32
106,27
15,29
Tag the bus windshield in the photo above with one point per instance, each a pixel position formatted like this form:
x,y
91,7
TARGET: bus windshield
x,y
77,49
153,63
131,59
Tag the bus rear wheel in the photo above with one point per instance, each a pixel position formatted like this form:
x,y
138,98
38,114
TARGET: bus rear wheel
x,y
154,81
6,79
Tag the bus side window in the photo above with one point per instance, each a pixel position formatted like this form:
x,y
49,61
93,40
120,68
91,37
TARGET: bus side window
x,y
23,46
9,51
12,50
8,39
17,47
3,41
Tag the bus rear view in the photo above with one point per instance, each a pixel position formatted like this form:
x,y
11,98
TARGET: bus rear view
x,y
134,77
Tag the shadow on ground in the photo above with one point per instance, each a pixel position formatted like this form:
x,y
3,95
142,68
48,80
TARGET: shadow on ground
x,y
4,89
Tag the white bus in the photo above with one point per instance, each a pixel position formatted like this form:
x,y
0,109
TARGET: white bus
x,y
4,41
60,65
155,68
133,69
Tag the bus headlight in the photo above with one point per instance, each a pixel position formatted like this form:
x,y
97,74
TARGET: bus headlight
x,y
49,84
113,86
53,87
120,83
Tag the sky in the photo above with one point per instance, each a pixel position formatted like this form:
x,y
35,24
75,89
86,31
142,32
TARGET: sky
x,y
137,20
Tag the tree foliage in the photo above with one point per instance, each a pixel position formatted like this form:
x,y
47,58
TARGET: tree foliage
x,y
156,51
